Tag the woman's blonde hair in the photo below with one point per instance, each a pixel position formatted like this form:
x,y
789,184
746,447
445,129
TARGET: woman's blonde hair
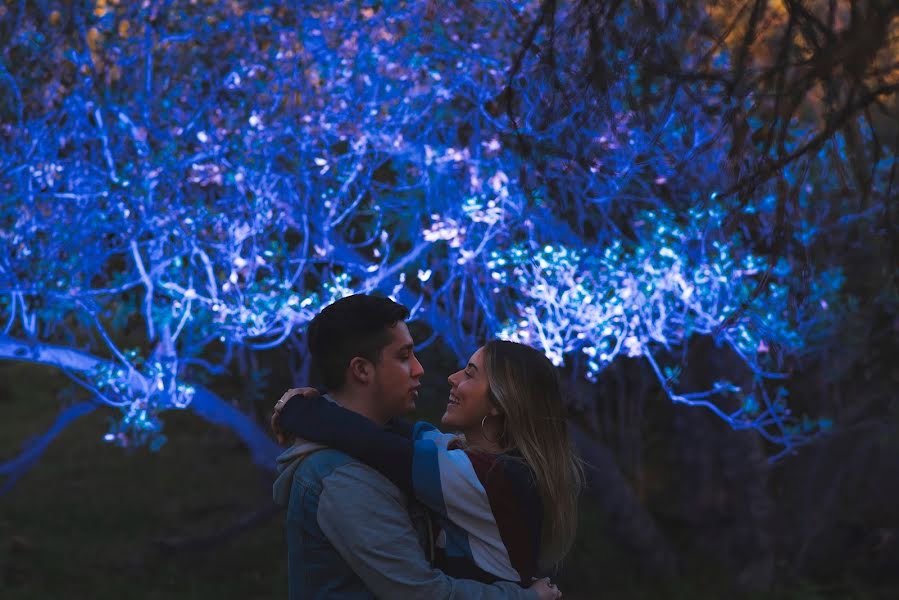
x,y
525,387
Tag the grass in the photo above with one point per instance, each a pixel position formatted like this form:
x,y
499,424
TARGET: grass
x,y
85,522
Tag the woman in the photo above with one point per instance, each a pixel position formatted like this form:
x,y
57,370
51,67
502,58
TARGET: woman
x,y
504,492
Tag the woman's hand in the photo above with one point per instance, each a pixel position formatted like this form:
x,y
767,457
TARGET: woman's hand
x,y
282,437
546,590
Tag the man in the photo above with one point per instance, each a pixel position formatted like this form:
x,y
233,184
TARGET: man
x,y
350,531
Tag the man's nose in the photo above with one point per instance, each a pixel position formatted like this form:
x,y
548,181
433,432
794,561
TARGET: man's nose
x,y
417,370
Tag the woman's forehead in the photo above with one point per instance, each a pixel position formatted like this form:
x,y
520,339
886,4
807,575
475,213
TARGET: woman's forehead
x,y
478,357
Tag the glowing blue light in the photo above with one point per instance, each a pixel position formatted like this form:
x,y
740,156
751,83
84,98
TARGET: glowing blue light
x,y
351,175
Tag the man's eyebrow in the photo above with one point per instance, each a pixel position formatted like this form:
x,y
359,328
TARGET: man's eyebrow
x,y
407,347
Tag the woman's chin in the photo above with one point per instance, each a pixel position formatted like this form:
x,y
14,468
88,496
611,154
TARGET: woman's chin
x,y
447,420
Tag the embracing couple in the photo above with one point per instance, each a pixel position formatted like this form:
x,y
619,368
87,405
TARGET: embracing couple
x,y
379,508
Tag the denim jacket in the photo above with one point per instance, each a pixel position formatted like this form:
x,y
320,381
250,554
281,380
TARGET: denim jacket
x,y
351,534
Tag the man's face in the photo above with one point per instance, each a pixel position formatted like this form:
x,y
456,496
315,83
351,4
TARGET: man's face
x,y
397,374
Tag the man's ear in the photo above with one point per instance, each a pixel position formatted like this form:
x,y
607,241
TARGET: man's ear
x,y
361,369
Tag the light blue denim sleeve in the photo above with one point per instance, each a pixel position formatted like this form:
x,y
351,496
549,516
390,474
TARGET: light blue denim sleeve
x,y
364,516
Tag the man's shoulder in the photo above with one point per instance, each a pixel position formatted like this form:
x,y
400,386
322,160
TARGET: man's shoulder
x,y
322,462
359,475
335,467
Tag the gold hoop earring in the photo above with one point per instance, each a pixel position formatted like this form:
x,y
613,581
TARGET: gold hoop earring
x,y
484,431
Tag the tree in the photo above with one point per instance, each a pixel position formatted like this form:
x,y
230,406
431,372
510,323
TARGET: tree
x,y
182,185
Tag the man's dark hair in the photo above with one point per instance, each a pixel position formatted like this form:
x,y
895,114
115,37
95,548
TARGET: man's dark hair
x,y
353,326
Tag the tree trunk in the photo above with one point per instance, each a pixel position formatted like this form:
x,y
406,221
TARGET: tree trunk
x,y
629,521
720,477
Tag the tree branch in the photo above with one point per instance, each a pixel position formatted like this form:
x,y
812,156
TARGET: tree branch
x,y
205,403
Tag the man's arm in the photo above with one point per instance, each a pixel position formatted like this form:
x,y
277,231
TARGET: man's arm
x,y
363,515
327,423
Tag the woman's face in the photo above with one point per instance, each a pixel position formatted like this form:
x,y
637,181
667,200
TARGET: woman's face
x,y
468,402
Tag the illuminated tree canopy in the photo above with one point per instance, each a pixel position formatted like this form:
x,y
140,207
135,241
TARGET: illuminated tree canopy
x,y
181,181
